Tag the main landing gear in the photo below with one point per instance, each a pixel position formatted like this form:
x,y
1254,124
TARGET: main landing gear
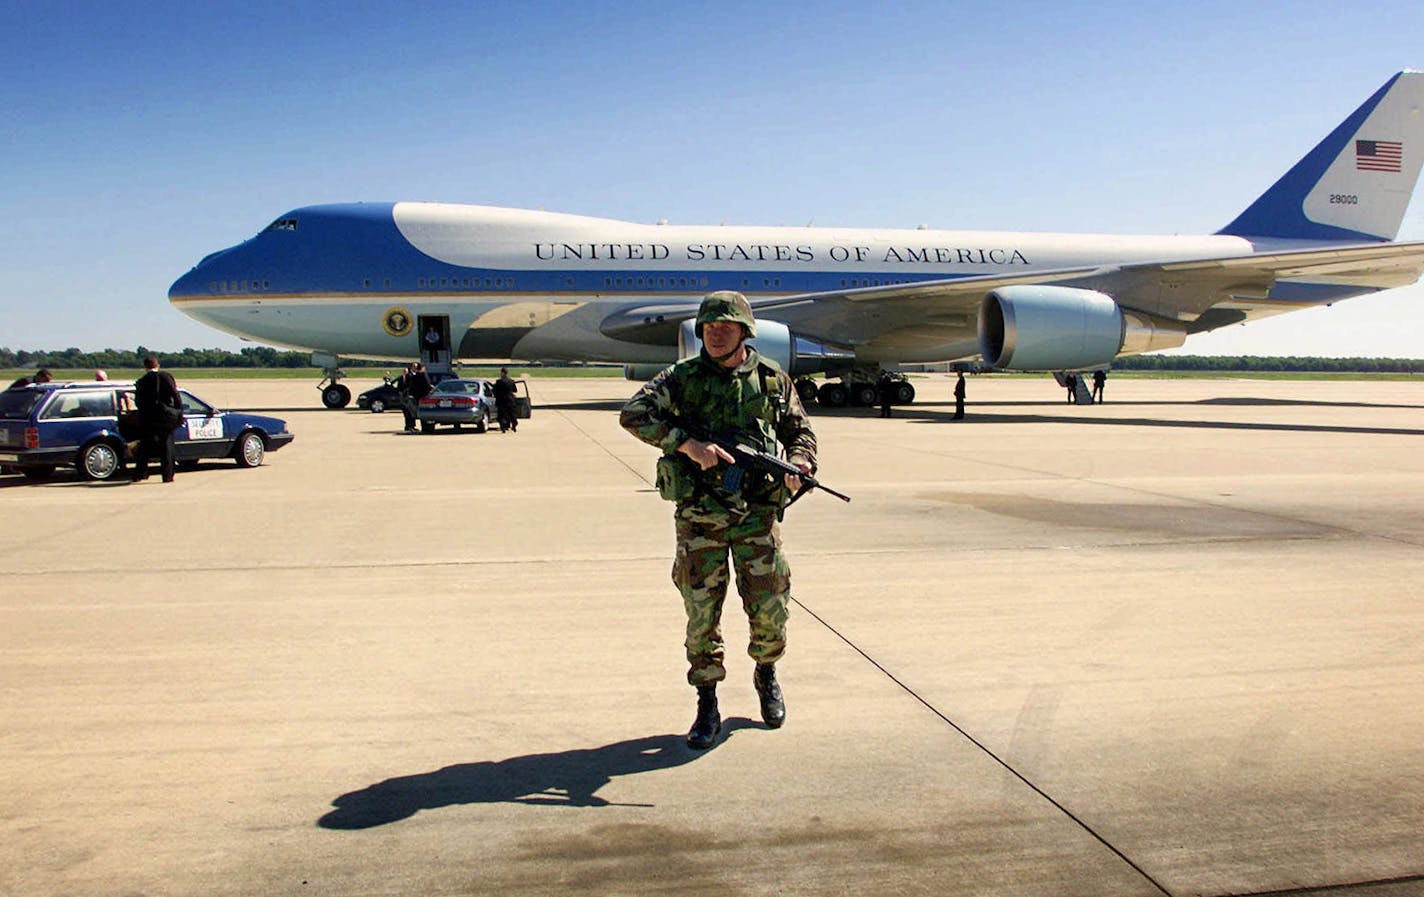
x,y
333,395
859,387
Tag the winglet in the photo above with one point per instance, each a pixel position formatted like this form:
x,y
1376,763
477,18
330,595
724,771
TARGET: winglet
x,y
1356,184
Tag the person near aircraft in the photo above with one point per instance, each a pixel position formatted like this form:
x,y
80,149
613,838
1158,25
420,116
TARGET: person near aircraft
x,y
504,390
959,397
1100,379
100,374
727,390
432,343
885,392
41,376
1071,382
160,412
413,385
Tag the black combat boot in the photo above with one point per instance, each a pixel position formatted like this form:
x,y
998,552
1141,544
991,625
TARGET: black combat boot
x,y
709,721
773,709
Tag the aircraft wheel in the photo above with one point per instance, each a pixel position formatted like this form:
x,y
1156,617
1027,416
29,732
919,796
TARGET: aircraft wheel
x,y
336,396
378,405
250,450
864,394
99,461
832,395
904,393
806,390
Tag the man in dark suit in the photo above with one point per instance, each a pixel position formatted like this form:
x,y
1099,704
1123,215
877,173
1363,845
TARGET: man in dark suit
x,y
504,390
413,385
155,392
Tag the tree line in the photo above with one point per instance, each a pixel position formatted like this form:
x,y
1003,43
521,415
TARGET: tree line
x,y
265,357
1268,364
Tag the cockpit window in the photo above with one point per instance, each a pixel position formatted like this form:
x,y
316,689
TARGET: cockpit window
x,y
283,224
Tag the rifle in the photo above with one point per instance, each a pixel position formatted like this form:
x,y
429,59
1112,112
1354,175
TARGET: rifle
x,y
746,456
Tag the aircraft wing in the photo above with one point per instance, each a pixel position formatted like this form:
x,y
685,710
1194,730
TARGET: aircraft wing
x,y
1179,290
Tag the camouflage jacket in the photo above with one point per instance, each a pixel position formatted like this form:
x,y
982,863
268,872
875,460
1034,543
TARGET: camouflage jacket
x,y
755,402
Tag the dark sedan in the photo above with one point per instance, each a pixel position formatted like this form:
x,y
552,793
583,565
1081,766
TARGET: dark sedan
x,y
90,425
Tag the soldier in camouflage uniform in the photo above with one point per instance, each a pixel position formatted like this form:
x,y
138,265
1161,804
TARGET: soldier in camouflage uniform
x,y
727,390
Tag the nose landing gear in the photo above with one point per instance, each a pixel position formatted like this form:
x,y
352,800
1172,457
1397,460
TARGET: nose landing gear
x,y
333,394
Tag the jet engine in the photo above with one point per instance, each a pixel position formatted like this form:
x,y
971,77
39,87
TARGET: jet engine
x,y
1050,328
797,355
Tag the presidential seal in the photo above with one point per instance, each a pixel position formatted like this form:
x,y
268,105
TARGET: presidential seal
x,y
397,321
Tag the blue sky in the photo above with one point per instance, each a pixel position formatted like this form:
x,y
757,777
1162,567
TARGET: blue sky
x,y
136,138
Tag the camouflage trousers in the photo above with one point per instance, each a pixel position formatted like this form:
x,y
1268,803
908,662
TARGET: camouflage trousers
x,y
700,572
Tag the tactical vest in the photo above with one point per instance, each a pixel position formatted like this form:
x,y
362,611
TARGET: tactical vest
x,y
745,407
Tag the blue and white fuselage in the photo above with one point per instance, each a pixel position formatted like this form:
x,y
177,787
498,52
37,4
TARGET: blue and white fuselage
x,y
355,280
528,284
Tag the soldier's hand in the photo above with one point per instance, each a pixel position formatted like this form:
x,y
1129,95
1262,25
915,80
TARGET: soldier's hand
x,y
707,454
794,482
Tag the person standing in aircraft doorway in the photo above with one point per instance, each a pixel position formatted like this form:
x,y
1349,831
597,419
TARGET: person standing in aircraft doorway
x,y
432,344
727,391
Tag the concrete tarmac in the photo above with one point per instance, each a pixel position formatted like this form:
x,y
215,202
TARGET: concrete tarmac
x,y
1166,645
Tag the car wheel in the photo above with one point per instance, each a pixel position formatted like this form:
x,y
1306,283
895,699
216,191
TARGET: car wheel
x,y
99,461
37,472
378,405
187,464
250,449
482,424
427,426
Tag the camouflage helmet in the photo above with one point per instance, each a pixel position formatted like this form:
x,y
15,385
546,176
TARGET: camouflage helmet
x,y
726,305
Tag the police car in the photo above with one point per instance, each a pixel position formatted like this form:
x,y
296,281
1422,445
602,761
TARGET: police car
x,y
91,426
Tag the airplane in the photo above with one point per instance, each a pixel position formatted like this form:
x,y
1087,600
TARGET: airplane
x,y
447,282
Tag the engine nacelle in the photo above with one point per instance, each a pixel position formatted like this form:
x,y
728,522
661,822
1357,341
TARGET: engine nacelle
x,y
797,355
1050,328
642,372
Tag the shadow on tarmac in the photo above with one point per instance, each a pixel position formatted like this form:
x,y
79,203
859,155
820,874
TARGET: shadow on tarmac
x,y
563,779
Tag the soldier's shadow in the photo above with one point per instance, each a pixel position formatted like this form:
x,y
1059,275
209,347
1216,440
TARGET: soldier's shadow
x,y
565,779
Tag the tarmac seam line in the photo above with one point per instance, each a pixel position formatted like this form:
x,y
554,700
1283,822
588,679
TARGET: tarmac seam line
x,y
590,437
983,748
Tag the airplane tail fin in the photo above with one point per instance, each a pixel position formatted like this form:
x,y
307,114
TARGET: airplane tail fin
x,y
1356,184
